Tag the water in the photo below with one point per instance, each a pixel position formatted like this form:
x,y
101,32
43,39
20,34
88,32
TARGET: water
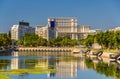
x,y
56,67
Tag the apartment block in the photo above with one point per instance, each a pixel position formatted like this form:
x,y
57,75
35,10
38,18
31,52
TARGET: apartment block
x,y
19,30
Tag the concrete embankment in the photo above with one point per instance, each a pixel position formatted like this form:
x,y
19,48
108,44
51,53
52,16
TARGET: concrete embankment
x,y
49,50
45,49
7,50
71,50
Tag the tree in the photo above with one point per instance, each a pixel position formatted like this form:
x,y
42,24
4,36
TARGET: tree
x,y
42,41
89,40
4,40
108,39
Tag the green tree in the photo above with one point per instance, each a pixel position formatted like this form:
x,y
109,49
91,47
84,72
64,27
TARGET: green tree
x,y
42,41
89,40
5,40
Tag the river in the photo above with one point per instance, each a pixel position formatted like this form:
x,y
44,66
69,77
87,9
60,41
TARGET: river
x,y
14,66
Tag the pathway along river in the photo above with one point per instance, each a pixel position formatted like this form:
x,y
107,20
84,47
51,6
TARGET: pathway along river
x,y
56,67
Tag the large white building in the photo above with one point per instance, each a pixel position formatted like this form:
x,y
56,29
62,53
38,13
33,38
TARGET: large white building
x,y
17,31
64,27
69,27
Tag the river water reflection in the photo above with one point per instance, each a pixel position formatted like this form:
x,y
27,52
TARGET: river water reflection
x,y
56,67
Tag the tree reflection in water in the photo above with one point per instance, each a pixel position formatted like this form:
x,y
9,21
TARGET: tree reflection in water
x,y
109,70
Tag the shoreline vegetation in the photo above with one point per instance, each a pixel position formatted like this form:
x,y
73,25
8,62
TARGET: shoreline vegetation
x,y
111,51
108,40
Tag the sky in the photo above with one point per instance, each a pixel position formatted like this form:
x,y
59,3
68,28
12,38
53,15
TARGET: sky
x,y
99,14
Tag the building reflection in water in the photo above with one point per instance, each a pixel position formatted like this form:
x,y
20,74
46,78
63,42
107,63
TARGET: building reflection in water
x,y
66,69
65,66
14,63
81,64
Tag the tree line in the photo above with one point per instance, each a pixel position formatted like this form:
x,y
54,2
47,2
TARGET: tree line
x,y
108,39
35,40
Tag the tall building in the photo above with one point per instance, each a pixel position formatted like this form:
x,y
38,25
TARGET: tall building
x,y
17,31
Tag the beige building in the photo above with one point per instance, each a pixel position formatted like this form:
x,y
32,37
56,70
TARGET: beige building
x,y
42,31
45,32
83,29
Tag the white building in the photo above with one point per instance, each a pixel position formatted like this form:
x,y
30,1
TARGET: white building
x,y
83,29
17,31
64,27
115,29
69,27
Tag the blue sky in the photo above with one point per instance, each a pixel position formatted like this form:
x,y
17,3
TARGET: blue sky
x,y
99,14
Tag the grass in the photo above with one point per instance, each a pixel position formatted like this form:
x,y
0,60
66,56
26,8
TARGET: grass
x,y
111,50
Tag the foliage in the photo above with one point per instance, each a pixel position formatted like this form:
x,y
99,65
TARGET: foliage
x,y
62,41
108,39
89,40
104,68
35,40
32,40
5,40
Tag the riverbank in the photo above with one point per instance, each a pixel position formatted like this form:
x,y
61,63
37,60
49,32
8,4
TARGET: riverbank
x,y
7,50
73,51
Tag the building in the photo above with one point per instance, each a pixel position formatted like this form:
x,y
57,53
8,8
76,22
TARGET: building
x,y
69,27
115,29
42,31
17,31
45,32
64,27
83,29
